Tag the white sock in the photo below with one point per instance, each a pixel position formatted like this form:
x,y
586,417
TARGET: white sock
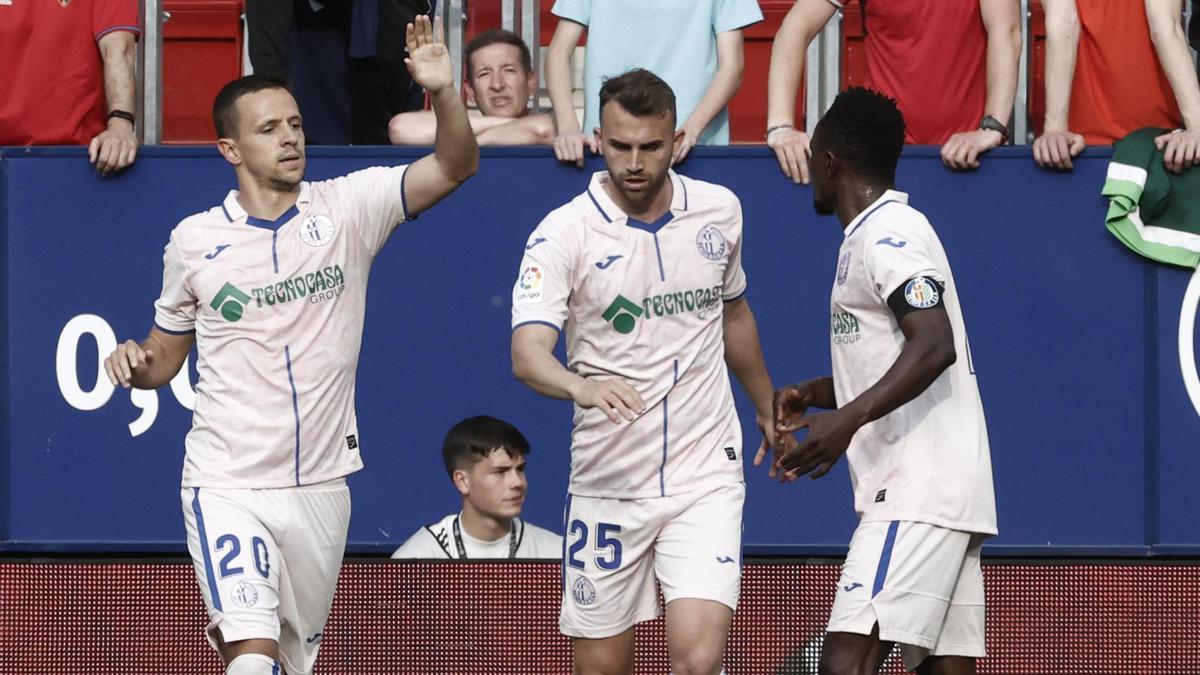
x,y
253,664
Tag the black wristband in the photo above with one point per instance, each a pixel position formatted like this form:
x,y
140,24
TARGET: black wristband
x,y
123,115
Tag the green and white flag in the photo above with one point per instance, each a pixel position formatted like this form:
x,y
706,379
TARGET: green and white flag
x,y
1151,210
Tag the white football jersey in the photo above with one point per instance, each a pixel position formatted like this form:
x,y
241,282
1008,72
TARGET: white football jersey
x,y
643,302
277,309
438,541
927,461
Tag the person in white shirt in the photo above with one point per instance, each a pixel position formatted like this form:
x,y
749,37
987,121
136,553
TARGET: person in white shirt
x,y
644,271
271,287
485,458
906,412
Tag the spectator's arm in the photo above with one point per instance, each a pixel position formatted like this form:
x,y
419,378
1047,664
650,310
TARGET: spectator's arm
x,y
1057,144
1002,21
731,63
420,127
804,20
568,146
116,147
527,130
1166,30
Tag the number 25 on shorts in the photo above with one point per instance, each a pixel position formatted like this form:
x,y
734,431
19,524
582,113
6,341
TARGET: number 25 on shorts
x,y
608,546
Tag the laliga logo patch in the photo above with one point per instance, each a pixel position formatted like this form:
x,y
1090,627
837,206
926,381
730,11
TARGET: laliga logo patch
x,y
583,591
921,293
317,230
245,595
711,243
843,270
529,286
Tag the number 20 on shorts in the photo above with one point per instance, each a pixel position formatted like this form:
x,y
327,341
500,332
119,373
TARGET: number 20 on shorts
x,y
608,547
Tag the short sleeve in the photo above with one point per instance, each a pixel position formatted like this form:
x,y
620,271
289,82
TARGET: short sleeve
x,y
734,285
734,14
175,309
579,11
375,198
420,545
114,15
544,280
896,253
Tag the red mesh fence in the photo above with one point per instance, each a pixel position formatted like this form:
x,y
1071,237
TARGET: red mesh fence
x,y
147,617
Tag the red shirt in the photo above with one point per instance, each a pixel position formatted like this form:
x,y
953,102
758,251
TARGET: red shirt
x,y
1119,86
52,87
931,56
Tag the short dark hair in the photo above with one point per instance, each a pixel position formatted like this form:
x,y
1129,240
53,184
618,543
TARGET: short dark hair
x,y
225,106
641,92
475,438
865,129
497,36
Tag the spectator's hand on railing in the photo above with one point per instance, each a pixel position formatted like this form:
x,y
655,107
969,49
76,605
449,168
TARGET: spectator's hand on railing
x,y
1054,149
568,146
685,145
1181,149
428,59
792,150
115,148
963,149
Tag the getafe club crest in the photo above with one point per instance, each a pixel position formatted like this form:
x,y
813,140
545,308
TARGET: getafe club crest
x,y
843,268
317,230
711,243
583,591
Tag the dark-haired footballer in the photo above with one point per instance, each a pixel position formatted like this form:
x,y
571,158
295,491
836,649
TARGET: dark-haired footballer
x,y
643,271
905,410
485,458
271,287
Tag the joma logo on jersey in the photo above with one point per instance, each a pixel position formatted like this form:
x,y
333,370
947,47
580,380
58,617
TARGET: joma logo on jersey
x,y
844,328
316,287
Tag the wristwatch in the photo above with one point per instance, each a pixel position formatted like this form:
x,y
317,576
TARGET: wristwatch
x,y
990,123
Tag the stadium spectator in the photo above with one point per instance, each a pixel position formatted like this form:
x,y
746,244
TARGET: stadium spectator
x,y
500,79
69,77
485,458
1113,68
343,60
695,45
951,65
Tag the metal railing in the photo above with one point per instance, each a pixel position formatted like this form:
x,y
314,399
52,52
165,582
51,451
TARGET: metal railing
x,y
823,64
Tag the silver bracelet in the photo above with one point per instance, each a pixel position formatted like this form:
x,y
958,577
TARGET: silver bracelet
x,y
776,128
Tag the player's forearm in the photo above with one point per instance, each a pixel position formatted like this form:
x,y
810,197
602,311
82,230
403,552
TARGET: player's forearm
x,y
1003,58
787,67
1170,43
544,373
724,85
159,370
528,130
922,360
1062,44
822,391
455,147
744,356
117,50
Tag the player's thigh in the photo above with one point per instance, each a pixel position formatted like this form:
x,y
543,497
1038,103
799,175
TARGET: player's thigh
x,y
963,629
310,564
230,548
608,567
604,656
696,635
698,553
901,576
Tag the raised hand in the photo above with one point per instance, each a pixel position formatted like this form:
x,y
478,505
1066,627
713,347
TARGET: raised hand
x,y
428,59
